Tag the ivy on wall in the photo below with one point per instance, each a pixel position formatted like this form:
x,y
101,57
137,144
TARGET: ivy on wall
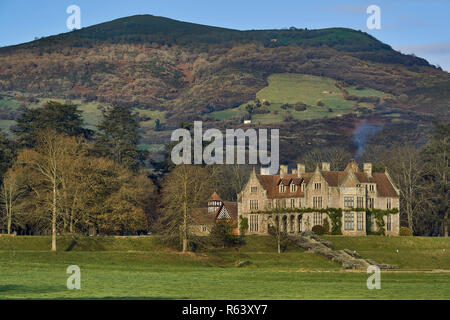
x,y
335,216
378,214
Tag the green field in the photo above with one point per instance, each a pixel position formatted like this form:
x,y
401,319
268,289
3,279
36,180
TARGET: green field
x,y
132,268
292,88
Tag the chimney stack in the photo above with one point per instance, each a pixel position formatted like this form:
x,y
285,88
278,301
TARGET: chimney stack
x,y
300,169
264,170
283,170
294,171
325,166
367,168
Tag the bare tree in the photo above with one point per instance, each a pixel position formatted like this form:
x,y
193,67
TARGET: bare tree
x,y
186,188
407,169
47,161
11,191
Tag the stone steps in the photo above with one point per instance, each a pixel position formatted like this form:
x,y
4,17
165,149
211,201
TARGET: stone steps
x,y
348,259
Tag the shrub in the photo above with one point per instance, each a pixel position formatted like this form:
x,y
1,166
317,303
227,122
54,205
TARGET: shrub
x,y
326,226
318,229
404,231
320,103
222,235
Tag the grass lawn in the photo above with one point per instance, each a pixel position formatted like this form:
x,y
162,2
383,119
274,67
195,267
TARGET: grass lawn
x,y
413,252
132,268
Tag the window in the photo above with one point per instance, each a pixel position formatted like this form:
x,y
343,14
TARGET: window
x,y
293,187
254,189
269,205
292,203
371,187
317,219
370,202
349,220
204,228
277,203
282,188
302,187
253,204
299,203
317,186
388,222
360,221
283,203
254,222
388,203
348,202
317,202
360,202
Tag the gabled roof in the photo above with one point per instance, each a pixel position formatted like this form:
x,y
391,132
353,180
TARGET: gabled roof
x,y
215,196
270,183
384,186
227,211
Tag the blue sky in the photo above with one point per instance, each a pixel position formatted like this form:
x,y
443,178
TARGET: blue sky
x,y
411,26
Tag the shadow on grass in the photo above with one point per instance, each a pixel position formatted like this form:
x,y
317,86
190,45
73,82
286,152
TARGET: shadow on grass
x,y
12,288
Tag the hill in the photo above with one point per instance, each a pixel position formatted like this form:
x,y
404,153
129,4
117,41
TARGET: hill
x,y
176,71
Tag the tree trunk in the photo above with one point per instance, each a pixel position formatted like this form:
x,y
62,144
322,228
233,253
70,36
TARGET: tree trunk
x,y
54,217
446,224
185,246
409,213
9,220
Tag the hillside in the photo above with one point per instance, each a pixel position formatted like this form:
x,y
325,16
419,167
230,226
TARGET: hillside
x,y
176,71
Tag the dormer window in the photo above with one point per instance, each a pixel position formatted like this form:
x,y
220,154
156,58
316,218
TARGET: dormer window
x,y
282,188
371,187
293,187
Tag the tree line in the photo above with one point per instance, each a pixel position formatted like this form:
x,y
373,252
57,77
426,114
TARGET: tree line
x,y
57,177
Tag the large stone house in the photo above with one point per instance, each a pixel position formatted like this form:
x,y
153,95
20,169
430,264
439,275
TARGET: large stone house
x,y
321,189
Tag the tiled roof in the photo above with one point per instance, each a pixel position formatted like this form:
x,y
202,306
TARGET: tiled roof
x,y
384,186
215,196
333,178
271,183
232,209
202,216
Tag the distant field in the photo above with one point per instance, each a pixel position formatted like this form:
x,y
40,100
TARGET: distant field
x,y
293,88
133,268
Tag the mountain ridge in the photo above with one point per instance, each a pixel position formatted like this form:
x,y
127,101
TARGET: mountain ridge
x,y
184,72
